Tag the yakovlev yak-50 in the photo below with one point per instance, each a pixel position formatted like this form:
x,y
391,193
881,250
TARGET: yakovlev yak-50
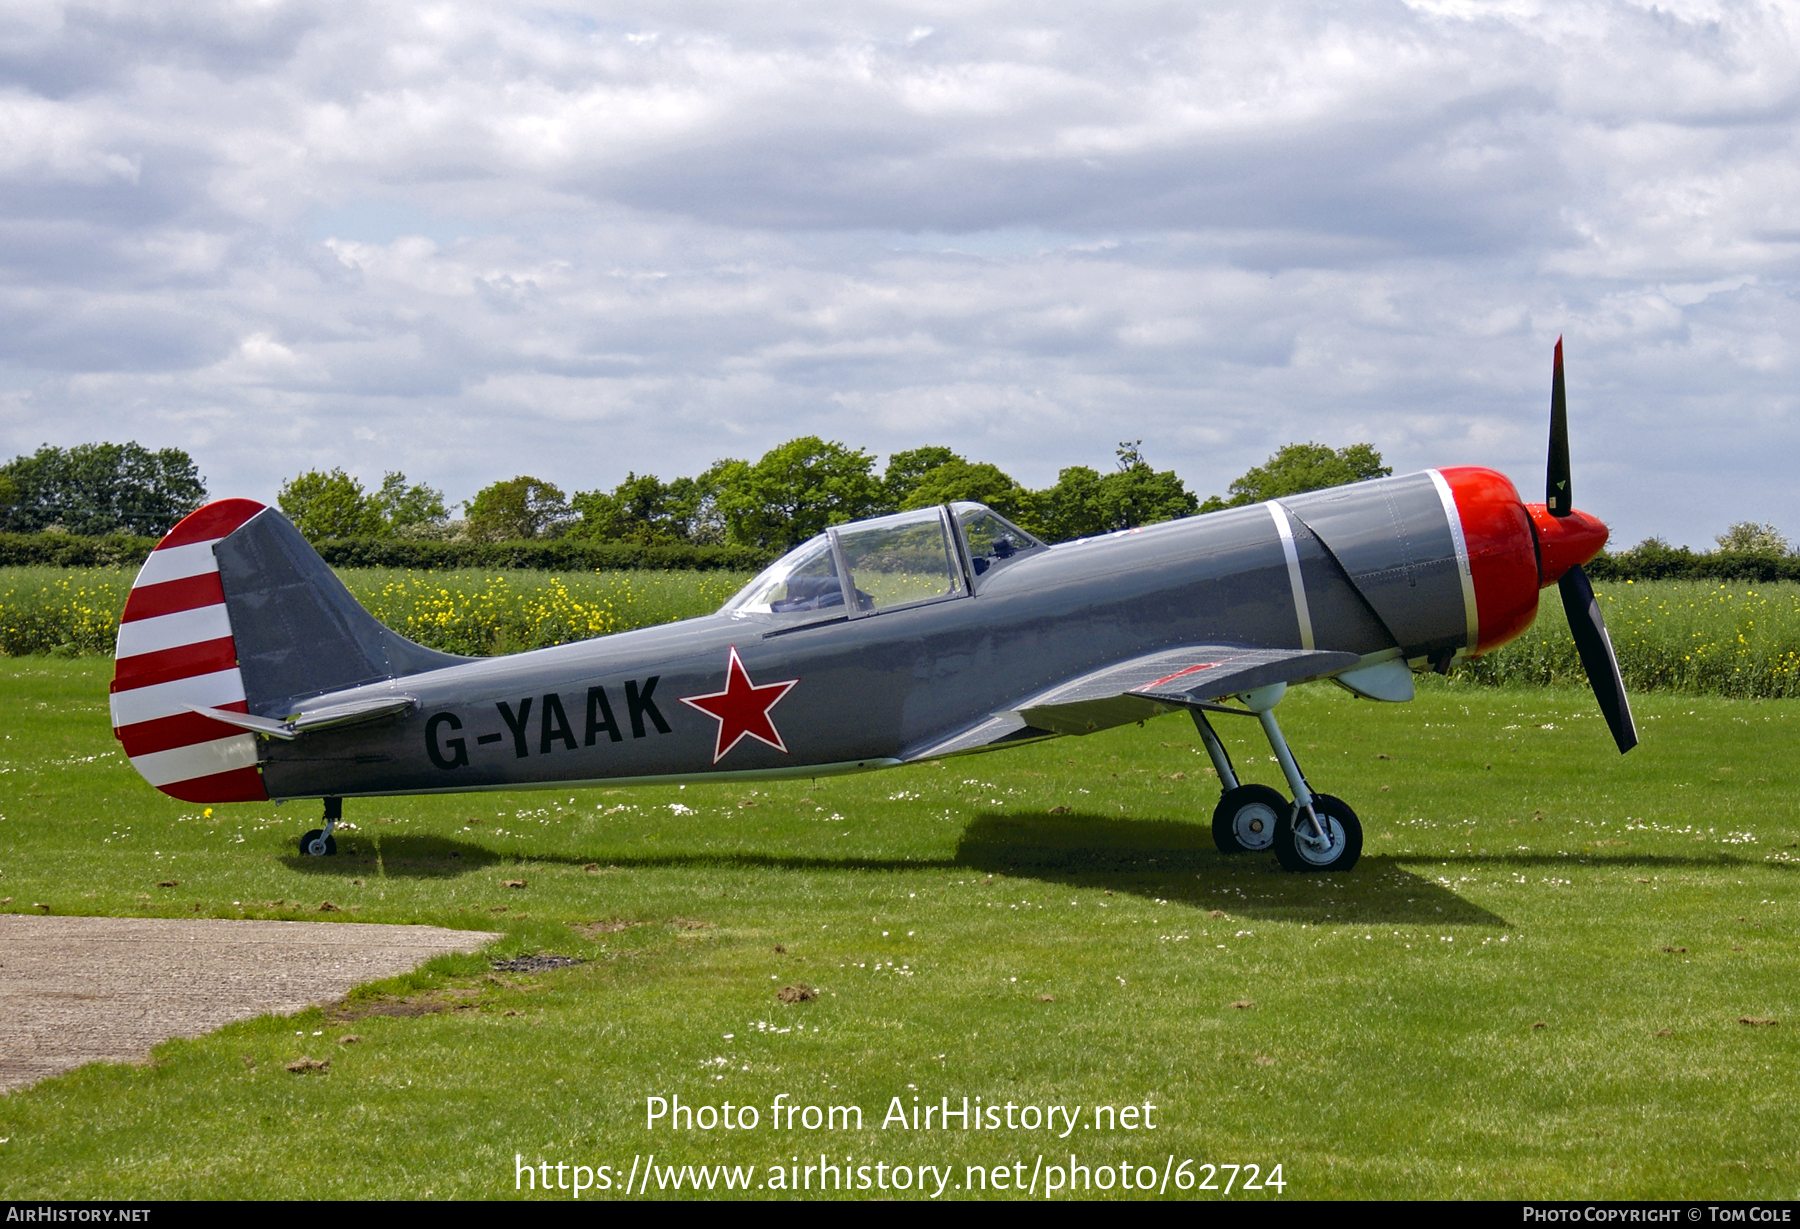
x,y
247,672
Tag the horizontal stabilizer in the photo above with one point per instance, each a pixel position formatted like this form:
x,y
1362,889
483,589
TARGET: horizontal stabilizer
x,y
353,712
325,717
244,721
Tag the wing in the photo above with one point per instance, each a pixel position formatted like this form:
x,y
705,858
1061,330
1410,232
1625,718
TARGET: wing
x,y
1141,687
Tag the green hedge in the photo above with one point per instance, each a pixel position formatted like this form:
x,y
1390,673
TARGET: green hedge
x,y
67,550
1680,563
559,555
563,555
573,555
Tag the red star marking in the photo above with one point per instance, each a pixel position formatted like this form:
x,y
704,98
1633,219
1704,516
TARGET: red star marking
x,y
742,709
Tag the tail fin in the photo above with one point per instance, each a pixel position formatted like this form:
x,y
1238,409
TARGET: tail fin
x,y
175,653
235,611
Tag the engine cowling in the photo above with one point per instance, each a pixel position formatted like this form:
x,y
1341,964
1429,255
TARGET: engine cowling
x,y
1515,550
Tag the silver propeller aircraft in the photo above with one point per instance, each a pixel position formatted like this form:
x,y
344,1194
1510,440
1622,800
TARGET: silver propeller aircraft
x,y
247,672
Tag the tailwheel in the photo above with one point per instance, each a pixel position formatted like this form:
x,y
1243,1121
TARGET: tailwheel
x,y
318,844
1299,848
1246,819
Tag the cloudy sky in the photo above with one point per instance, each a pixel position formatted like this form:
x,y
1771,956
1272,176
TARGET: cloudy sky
x,y
468,241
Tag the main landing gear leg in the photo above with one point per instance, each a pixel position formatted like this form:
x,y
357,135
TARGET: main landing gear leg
x,y
1320,833
1247,815
319,843
1215,750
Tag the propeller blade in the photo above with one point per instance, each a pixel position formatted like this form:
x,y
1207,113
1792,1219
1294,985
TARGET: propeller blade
x,y
1557,497
1597,657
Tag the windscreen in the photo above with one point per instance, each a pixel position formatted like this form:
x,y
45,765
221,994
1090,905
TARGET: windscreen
x,y
898,560
803,579
993,540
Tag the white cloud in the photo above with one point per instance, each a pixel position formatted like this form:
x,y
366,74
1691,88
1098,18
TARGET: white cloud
x,y
469,241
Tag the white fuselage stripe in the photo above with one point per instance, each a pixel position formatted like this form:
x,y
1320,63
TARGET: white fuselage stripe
x,y
198,760
1295,580
1470,609
159,700
171,631
178,563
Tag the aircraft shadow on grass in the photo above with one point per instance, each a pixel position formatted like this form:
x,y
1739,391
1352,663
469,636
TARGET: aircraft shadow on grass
x,y
432,857
1156,860
1160,861
399,857
1178,862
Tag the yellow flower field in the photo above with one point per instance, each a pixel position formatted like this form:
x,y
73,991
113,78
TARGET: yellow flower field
x,y
1730,639
481,614
1691,636
69,611
60,610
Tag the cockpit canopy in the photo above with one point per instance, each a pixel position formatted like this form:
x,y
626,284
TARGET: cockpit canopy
x,y
890,561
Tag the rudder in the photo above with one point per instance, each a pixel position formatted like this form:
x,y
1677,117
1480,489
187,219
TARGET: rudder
x,y
234,610
175,652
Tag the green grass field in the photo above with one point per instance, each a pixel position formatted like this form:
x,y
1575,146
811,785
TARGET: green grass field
x,y
1530,987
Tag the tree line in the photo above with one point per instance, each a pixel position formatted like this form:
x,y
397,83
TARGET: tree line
x,y
1748,550
736,510
789,494
96,489
794,491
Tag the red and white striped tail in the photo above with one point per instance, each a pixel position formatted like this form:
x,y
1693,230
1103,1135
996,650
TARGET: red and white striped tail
x,y
175,653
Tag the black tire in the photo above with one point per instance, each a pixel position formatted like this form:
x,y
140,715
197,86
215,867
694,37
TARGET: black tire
x,y
1297,850
1247,819
306,843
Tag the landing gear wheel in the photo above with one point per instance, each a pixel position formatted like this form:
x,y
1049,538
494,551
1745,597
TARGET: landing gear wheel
x,y
316,844
1298,848
1247,818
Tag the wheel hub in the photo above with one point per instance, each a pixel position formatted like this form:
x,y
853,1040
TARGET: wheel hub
x,y
1254,826
1316,851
